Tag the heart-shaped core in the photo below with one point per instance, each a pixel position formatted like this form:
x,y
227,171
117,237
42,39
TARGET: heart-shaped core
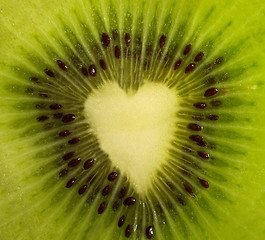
x,y
135,129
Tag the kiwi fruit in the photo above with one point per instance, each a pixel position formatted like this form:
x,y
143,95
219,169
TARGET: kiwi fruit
x,y
132,119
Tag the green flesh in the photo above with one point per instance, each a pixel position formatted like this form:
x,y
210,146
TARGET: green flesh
x,y
35,204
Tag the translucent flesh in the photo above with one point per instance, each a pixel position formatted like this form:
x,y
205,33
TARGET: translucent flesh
x,y
36,205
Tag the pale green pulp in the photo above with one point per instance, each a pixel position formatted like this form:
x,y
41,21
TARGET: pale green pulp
x,y
29,210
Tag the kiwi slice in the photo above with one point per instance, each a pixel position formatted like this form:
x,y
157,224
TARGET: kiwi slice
x,y
132,120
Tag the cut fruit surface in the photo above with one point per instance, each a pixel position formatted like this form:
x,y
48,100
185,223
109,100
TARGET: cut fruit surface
x,y
132,120
135,129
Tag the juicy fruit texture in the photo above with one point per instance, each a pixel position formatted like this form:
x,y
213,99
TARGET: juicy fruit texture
x,y
63,175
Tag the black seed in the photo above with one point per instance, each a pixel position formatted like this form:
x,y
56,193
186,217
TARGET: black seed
x,y
162,41
115,205
121,221
127,39
88,163
57,115
65,133
216,103
190,67
219,60
103,64
68,118
55,106
35,79
105,39
200,105
128,231
194,127
188,188
213,117
117,52
203,155
112,176
44,95
196,138
68,155
204,183
115,34
106,190
187,49
84,71
92,70
82,189
122,192
177,64
199,57
42,118
62,65
102,207
63,172
181,201
129,201
74,162
74,140
210,92
49,73
149,232
71,182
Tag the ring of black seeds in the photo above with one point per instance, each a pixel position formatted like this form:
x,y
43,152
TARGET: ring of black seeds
x,y
90,71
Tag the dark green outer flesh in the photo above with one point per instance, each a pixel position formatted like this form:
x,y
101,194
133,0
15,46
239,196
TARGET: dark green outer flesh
x,y
29,211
